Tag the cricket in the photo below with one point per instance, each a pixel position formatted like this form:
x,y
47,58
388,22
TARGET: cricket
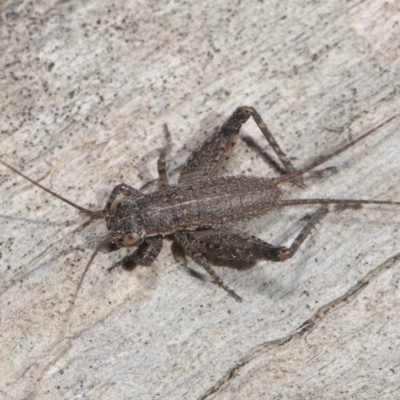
x,y
196,210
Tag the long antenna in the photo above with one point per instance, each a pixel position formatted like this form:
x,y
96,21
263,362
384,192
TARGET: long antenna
x,y
94,214
321,160
96,251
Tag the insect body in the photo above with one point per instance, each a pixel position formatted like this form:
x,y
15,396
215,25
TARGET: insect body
x,y
196,209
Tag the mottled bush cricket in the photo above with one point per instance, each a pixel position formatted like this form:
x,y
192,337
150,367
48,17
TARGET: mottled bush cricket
x,y
195,210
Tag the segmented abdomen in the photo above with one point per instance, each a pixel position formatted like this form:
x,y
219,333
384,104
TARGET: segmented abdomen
x,y
207,203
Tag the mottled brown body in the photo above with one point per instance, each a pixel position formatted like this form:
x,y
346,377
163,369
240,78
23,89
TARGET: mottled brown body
x,y
195,210
206,203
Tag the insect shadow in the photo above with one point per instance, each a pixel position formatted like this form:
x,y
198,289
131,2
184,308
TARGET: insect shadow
x,y
196,210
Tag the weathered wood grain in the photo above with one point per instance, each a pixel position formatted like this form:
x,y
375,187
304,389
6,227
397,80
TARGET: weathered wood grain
x,y
85,90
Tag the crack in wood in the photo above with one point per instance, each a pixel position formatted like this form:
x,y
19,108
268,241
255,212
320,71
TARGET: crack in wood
x,y
304,328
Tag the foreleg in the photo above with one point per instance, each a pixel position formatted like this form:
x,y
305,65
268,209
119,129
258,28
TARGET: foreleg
x,y
122,189
144,255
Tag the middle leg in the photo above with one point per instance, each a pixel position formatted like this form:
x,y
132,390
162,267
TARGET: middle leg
x,y
191,250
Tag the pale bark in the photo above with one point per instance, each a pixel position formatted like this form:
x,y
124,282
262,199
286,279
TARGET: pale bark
x,y
85,91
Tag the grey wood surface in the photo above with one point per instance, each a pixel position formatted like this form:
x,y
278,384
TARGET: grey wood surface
x,y
85,90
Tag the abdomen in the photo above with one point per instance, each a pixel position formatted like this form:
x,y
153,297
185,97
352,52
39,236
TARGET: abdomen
x,y
207,203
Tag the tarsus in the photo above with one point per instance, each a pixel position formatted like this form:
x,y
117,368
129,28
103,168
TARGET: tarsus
x,y
321,160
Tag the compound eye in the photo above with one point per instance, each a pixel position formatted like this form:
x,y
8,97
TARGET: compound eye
x,y
116,203
130,239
